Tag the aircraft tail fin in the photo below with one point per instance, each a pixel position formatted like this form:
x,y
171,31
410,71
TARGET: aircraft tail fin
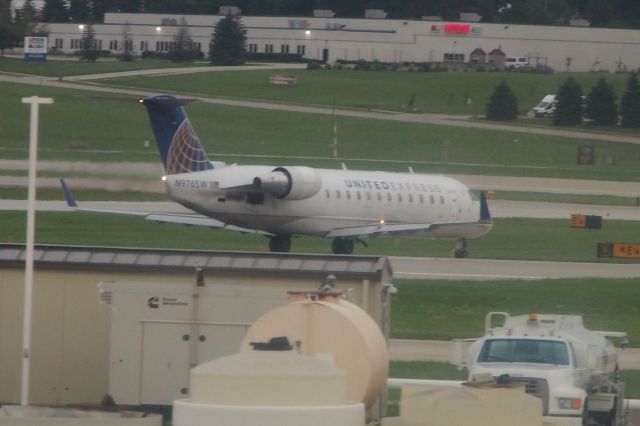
x,y
178,143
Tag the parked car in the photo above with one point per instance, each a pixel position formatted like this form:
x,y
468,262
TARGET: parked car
x,y
516,62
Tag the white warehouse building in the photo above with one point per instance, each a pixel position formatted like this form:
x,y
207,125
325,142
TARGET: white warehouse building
x,y
385,40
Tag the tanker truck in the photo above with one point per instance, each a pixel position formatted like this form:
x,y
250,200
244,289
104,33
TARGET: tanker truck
x,y
574,371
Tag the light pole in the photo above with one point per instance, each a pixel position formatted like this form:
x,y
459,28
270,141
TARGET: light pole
x,y
35,102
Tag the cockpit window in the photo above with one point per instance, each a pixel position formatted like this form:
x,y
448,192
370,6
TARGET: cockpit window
x,y
473,195
525,350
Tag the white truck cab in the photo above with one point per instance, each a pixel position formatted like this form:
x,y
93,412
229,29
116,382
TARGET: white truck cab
x,y
546,107
571,369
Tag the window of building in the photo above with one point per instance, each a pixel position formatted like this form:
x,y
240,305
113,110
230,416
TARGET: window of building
x,y
454,57
284,48
144,46
59,43
300,49
268,48
253,48
113,45
76,43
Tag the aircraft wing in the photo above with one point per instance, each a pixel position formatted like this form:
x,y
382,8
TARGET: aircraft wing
x,y
380,229
182,218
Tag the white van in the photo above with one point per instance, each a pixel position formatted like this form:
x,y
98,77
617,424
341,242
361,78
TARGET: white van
x,y
515,62
546,107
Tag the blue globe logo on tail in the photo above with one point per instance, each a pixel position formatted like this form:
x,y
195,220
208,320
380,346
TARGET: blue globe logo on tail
x,y
178,143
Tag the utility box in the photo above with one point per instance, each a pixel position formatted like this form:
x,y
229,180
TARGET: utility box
x,y
160,331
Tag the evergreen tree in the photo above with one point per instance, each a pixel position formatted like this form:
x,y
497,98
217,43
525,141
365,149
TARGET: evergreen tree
x,y
228,42
79,11
88,46
630,105
55,11
127,44
569,104
7,31
183,49
601,104
25,20
503,104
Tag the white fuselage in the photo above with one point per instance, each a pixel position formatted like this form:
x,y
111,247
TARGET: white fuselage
x,y
344,199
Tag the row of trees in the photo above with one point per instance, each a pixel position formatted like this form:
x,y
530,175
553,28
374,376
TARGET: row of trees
x,y
572,107
611,13
227,47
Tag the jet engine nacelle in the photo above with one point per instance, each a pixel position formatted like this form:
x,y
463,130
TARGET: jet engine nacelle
x,y
291,183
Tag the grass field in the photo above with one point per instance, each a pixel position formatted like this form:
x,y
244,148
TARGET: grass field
x,y
442,310
100,129
515,239
441,92
54,68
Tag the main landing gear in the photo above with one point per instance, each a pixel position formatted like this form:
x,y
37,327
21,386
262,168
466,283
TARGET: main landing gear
x,y
342,246
280,243
461,250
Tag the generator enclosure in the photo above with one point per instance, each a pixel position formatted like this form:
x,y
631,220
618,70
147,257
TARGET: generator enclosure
x,y
160,331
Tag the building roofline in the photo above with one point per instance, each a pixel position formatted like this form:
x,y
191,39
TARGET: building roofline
x,y
52,256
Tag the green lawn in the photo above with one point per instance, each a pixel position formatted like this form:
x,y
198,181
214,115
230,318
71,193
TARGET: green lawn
x,y
443,310
102,129
437,92
54,68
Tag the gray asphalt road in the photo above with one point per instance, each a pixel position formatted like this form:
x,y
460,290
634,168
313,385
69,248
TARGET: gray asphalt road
x,y
490,269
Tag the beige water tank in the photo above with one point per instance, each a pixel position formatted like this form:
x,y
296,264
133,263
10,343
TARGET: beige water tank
x,y
266,378
328,326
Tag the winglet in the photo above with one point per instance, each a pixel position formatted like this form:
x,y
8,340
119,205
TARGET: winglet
x,y
485,215
71,202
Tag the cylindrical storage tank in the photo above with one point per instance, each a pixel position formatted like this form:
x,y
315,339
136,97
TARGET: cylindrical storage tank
x,y
337,329
268,378
279,388
187,413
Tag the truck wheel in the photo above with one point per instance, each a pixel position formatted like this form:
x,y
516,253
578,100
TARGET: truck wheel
x,y
586,418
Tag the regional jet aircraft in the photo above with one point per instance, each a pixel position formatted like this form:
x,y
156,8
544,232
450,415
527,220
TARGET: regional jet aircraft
x,y
284,201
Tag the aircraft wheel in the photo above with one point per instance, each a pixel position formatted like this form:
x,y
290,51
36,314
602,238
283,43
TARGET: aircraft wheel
x,y
342,246
280,243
